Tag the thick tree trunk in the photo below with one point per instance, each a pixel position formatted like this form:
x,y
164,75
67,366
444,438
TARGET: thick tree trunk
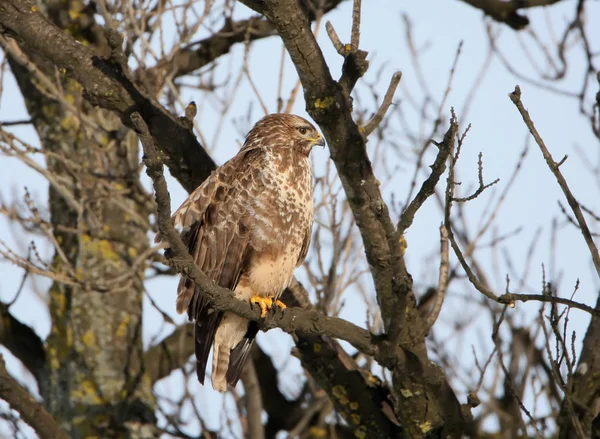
x,y
94,383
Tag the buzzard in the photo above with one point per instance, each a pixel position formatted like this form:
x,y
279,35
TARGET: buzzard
x,y
247,226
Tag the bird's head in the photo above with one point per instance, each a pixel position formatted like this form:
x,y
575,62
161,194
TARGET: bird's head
x,y
287,131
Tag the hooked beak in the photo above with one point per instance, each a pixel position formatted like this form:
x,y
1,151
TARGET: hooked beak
x,y
320,141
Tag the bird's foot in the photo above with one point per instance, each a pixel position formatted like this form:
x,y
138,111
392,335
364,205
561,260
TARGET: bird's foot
x,y
265,303
280,304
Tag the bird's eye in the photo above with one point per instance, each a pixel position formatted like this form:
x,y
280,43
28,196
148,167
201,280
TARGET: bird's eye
x,y
302,130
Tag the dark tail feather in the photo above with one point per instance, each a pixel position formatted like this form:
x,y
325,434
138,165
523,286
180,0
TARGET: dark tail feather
x,y
239,355
207,322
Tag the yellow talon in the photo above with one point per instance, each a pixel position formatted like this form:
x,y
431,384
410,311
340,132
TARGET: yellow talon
x,y
280,304
265,304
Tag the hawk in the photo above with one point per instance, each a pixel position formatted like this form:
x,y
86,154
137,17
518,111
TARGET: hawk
x,y
247,227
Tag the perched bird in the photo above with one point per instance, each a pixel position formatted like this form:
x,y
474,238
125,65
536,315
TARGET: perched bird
x,y
247,226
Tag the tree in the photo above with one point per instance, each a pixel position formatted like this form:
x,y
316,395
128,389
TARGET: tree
x,y
100,78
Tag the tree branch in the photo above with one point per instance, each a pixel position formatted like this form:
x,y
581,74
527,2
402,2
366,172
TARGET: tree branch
x,y
428,187
106,84
22,341
205,51
507,11
30,410
171,353
515,97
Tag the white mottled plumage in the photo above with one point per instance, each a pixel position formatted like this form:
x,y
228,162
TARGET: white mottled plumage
x,y
248,226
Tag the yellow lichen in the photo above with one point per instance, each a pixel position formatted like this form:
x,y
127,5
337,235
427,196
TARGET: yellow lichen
x,y
426,427
339,393
54,363
79,273
316,347
355,418
69,336
70,123
79,420
122,329
34,9
100,246
89,338
74,15
354,405
86,391
373,379
59,301
361,432
317,432
403,244
132,252
323,104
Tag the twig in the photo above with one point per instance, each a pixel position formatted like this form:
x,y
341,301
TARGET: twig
x,y
15,122
311,410
482,185
370,126
335,39
443,280
428,187
23,280
355,34
559,380
448,223
512,297
509,386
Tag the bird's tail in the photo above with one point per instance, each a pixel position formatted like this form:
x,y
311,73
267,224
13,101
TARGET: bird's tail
x,y
229,333
220,365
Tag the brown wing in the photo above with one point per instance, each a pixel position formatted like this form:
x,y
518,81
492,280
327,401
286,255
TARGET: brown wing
x,y
213,227
305,245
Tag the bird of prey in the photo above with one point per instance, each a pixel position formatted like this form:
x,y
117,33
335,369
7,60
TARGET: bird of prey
x,y
247,227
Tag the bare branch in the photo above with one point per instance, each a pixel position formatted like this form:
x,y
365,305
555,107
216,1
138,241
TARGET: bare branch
x,y
428,187
372,124
443,280
30,410
171,353
515,97
335,39
22,341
